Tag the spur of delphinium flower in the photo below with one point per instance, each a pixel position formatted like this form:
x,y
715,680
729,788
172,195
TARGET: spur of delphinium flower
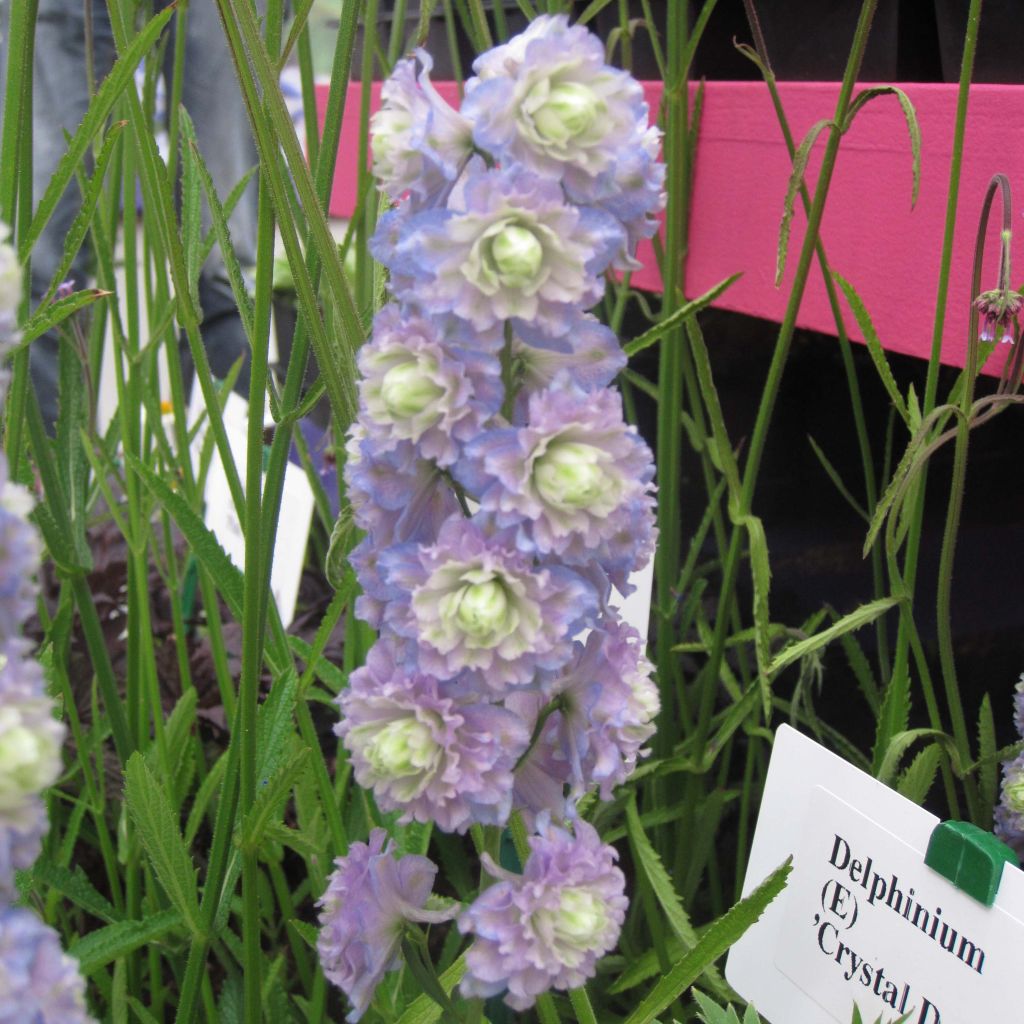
x,y
514,249
998,310
396,495
39,982
420,144
371,898
1009,812
547,927
575,481
431,750
423,382
475,606
604,705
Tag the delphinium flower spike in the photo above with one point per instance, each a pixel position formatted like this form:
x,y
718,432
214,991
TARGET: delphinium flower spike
x,y
38,983
503,500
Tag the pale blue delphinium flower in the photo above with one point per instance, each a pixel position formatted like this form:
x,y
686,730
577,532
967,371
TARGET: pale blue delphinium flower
x,y
19,555
21,841
420,144
39,982
430,750
575,481
1009,812
607,702
472,603
515,250
370,897
423,382
547,927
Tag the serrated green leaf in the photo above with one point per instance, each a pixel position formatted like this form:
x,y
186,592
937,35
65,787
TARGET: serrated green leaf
x,y
653,334
104,945
204,545
73,886
158,828
893,718
711,1012
916,782
901,743
275,724
713,943
800,158
874,346
909,115
857,619
988,774
862,671
55,313
271,795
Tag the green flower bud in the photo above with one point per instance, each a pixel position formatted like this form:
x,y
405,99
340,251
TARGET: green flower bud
x,y
569,111
482,609
570,475
516,255
403,747
407,390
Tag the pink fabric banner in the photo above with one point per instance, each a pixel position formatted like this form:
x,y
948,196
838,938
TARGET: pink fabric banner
x,y
889,252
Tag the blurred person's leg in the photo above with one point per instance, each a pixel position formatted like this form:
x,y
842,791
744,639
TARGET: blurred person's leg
x,y
60,99
213,99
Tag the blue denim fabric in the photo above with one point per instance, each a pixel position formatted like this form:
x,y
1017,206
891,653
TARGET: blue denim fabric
x,y
213,99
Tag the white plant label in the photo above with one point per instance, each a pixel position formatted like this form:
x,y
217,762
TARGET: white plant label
x,y
863,919
295,518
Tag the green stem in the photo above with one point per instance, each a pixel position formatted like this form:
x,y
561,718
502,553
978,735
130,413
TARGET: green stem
x,y
775,371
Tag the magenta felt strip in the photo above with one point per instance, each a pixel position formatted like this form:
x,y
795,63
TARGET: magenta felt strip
x,y
889,252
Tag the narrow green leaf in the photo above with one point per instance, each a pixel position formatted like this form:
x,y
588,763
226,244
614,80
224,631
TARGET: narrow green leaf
x,y
862,671
837,480
800,159
713,943
655,333
107,95
913,128
423,1009
158,829
275,725
874,344
847,624
101,947
901,743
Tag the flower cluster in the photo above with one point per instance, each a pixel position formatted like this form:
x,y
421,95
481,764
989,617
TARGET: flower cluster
x,y
998,310
502,495
1009,812
37,981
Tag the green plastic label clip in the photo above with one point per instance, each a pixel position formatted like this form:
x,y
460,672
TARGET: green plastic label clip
x,y
971,858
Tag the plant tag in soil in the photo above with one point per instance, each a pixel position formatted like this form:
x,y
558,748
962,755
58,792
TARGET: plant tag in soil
x,y
294,521
863,919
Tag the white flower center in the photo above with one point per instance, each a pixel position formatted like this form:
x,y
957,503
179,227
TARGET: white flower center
x,y
482,609
1013,794
516,255
568,112
571,475
407,390
29,760
403,747
576,927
